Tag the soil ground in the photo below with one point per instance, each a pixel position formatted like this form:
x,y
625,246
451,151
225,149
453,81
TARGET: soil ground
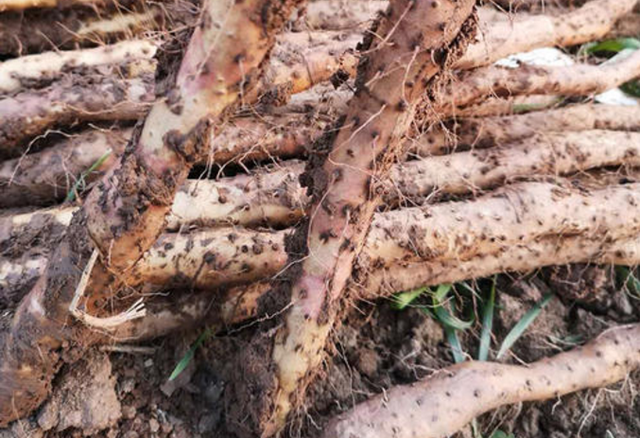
x,y
126,394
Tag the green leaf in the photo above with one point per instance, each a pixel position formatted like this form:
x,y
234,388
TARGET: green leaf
x,y
625,278
403,299
71,195
465,285
451,321
631,88
520,108
500,434
454,343
441,293
186,359
487,323
522,325
613,46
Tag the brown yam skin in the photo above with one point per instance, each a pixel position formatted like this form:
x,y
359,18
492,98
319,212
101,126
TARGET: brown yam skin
x,y
124,214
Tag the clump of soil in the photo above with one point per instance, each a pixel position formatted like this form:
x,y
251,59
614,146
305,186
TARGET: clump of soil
x,y
376,347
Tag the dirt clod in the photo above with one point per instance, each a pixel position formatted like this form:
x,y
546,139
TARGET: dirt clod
x,y
86,398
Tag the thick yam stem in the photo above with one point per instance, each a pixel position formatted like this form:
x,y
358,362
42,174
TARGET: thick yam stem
x,y
344,198
200,273
340,15
576,80
589,23
124,215
541,155
302,60
239,303
545,251
212,259
519,215
445,402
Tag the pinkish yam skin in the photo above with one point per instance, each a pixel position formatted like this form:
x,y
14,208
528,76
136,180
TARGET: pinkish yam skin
x,y
396,71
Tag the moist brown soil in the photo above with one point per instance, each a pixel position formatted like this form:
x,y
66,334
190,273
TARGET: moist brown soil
x,y
128,395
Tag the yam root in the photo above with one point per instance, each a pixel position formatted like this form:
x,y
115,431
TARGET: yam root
x,y
575,80
124,214
275,198
465,133
320,55
301,61
45,177
29,71
55,29
388,86
97,97
591,22
579,226
237,304
524,213
443,403
18,5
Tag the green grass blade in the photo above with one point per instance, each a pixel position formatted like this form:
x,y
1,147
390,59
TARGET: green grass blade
x,y
500,434
188,356
404,299
626,279
614,46
487,323
631,88
71,195
454,343
522,325
451,321
441,293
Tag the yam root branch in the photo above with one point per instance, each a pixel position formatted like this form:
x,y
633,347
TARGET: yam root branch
x,y
593,230
576,80
124,214
589,23
301,61
445,402
240,303
465,133
274,197
37,31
